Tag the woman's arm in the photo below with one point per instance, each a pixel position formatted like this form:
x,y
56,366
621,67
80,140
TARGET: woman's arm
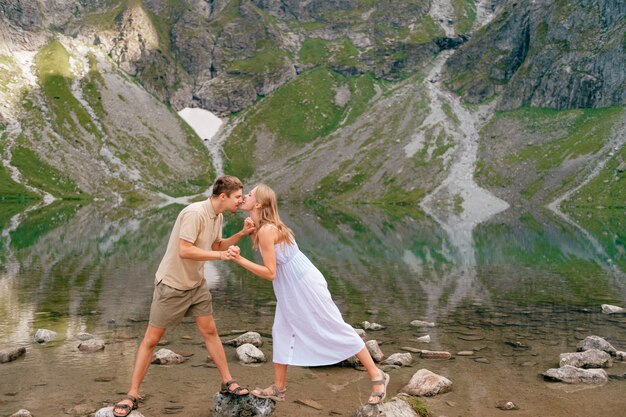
x,y
267,237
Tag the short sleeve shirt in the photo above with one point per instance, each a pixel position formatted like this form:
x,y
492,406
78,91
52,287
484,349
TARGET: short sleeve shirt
x,y
197,223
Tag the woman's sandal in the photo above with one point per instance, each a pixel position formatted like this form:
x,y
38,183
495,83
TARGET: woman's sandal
x,y
384,379
225,388
271,393
126,407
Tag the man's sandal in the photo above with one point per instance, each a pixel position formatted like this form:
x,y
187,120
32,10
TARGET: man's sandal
x,y
126,407
271,393
384,379
225,388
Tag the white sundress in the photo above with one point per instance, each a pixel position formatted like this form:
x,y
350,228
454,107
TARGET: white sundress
x,y
308,327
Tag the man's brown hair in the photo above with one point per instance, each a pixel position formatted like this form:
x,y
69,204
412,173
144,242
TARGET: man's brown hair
x,y
226,184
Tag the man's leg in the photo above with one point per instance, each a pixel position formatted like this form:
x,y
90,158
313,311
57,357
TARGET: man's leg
x,y
143,360
207,328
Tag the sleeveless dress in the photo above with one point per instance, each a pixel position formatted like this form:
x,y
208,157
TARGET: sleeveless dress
x,y
308,328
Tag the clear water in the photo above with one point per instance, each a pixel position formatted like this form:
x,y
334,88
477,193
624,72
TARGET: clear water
x,y
521,277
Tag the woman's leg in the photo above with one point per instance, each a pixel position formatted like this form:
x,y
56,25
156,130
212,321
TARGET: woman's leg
x,y
374,373
280,384
280,376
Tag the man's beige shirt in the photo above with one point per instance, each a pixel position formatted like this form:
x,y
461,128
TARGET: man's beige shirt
x,y
197,223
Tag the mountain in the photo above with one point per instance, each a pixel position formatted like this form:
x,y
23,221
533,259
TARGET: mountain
x,y
335,100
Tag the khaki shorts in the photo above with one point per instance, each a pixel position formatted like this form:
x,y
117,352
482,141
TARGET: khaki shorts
x,y
170,305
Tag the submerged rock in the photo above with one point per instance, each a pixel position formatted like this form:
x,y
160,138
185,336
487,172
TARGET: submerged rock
x,y
228,405
572,375
421,323
45,335
596,342
11,354
84,336
250,337
433,354
592,358
425,383
91,345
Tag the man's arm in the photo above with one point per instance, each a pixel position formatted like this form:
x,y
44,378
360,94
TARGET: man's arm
x,y
223,244
188,250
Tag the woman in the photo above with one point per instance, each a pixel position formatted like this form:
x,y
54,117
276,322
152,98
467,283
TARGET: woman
x,y
308,328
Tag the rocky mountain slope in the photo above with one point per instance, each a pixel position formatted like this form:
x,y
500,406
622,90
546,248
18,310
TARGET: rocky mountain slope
x,y
347,100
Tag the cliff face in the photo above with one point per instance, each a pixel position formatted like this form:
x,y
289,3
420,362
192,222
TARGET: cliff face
x,y
546,54
302,73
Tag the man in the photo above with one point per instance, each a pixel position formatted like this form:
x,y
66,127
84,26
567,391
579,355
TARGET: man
x,y
180,287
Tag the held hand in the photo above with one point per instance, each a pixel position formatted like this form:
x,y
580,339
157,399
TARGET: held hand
x,y
232,253
248,226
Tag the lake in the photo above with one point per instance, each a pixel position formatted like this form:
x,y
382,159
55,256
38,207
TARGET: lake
x,y
518,290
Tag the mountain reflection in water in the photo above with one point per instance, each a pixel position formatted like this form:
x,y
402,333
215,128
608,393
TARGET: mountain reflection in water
x,y
72,268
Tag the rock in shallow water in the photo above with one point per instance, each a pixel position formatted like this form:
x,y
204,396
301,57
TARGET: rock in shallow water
x,y
45,335
592,358
596,342
22,413
167,357
228,405
610,309
425,383
250,337
11,354
393,408
248,354
572,375
91,345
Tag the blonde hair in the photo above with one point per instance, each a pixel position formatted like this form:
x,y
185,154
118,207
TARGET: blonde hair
x,y
266,197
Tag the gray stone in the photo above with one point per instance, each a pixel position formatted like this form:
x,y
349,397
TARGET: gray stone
x,y
433,354
425,383
81,410
394,408
401,359
423,339
45,335
620,356
91,345
611,309
592,358
250,337
248,354
371,326
421,323
228,405
108,412
506,405
596,342
167,357
84,336
22,413
572,375
374,350
11,354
